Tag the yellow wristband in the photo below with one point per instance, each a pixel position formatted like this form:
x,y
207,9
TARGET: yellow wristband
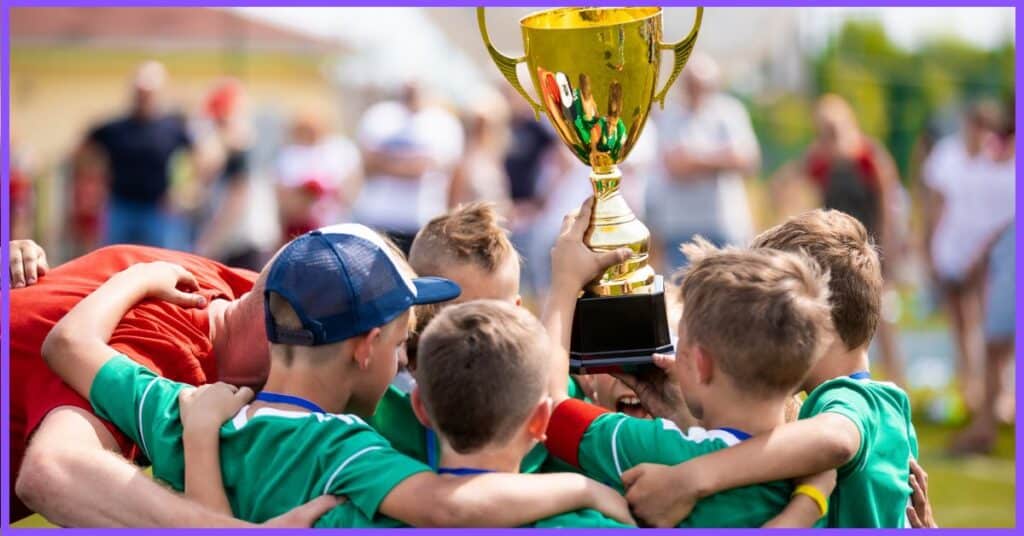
x,y
815,495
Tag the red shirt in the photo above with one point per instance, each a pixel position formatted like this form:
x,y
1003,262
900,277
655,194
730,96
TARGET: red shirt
x,y
170,340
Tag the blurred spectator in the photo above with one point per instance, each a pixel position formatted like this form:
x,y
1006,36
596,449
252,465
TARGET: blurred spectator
x,y
480,175
22,194
708,145
994,264
970,202
318,177
530,142
138,149
855,174
221,226
409,148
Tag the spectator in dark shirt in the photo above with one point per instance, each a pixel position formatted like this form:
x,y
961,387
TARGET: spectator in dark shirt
x,y
138,149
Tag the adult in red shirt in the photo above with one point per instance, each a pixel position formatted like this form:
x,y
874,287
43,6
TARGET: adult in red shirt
x,y
67,472
855,174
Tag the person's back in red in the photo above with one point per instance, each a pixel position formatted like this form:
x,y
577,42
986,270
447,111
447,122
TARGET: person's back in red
x,y
172,341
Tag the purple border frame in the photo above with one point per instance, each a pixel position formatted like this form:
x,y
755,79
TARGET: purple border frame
x,y
5,198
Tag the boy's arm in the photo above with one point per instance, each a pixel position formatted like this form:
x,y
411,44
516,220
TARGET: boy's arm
x,y
203,412
76,348
573,264
664,496
498,499
806,507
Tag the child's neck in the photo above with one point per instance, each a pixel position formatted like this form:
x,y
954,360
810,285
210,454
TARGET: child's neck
x,y
837,362
745,413
305,382
498,459
239,340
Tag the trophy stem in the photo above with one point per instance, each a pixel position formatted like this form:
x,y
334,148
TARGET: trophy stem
x,y
612,226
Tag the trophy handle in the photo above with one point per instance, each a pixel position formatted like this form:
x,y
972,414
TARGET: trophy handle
x,y
682,51
505,64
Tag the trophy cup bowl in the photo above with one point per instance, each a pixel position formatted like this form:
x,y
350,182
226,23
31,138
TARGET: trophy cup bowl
x,y
595,71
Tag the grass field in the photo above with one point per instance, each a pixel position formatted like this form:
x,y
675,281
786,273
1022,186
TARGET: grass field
x,y
965,492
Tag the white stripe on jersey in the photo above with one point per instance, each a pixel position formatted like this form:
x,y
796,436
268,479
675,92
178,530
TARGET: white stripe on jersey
x,y
142,404
327,487
615,449
698,434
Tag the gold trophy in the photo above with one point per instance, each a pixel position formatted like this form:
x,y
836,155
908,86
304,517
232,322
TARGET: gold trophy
x,y
595,70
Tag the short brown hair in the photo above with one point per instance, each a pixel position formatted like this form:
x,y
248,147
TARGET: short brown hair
x,y
842,246
483,367
761,314
469,233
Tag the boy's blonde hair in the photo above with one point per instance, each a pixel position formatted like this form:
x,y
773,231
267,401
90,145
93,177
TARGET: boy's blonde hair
x,y
762,315
483,367
842,246
471,233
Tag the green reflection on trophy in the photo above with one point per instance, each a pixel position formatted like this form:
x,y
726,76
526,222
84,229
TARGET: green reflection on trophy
x,y
595,71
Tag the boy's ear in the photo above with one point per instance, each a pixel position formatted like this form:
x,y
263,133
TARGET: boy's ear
x,y
364,347
704,365
418,408
537,425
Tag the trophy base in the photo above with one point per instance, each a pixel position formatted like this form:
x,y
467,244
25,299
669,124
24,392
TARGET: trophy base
x,y
619,333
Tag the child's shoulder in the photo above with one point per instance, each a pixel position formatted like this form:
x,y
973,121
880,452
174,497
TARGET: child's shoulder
x,y
860,395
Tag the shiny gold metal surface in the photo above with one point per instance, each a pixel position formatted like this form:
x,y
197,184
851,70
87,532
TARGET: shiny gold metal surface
x,y
595,71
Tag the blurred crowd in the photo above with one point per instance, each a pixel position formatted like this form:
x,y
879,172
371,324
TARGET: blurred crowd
x,y
186,181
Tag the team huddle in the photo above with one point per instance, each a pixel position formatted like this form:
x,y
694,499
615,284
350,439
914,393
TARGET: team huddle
x,y
494,430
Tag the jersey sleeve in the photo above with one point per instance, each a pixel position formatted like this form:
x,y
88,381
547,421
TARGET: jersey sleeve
x,y
395,420
363,466
846,398
141,404
604,445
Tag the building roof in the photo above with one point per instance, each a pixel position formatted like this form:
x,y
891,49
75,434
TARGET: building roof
x,y
162,27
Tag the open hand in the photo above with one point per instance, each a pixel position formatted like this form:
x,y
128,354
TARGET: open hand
x,y
658,391
169,282
28,263
207,407
608,501
919,511
303,517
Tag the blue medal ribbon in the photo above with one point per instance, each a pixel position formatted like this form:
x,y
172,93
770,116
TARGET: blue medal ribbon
x,y
462,471
739,434
861,375
278,398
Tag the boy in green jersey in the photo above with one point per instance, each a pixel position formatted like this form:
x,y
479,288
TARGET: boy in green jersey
x,y
338,304
754,322
849,421
482,385
468,246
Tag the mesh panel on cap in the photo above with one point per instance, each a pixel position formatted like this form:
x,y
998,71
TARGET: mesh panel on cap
x,y
372,273
315,280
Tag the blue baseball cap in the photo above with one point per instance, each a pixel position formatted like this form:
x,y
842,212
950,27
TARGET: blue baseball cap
x,y
342,281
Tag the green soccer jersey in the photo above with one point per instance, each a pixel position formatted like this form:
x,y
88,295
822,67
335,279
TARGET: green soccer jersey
x,y
396,421
347,515
271,462
871,489
604,445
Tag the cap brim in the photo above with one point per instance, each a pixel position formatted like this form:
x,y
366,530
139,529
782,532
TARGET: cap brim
x,y
434,290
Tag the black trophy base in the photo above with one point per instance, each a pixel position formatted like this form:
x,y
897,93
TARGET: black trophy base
x,y
619,333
